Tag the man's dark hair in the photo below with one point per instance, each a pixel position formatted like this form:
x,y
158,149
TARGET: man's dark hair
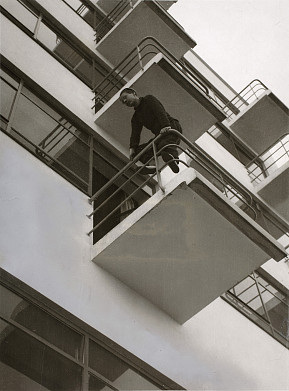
x,y
128,90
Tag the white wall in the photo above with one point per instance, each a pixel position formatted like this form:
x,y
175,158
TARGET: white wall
x,y
225,159
43,242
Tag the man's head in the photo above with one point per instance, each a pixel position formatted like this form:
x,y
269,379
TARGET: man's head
x,y
128,97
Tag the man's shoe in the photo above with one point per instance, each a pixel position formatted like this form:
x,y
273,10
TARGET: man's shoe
x,y
172,164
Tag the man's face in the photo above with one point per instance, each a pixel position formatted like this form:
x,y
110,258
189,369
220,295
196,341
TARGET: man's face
x,y
129,99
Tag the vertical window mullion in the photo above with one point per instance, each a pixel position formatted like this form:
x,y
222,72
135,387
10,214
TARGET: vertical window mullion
x,y
85,376
39,20
90,168
14,107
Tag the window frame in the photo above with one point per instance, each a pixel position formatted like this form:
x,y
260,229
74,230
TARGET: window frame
x,y
30,295
96,66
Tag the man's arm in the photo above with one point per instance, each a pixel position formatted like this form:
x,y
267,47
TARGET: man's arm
x,y
136,128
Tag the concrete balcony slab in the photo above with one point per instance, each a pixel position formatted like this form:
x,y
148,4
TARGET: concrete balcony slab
x,y
274,190
182,98
107,6
183,249
262,122
146,18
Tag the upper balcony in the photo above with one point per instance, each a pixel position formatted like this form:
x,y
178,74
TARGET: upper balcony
x,y
152,69
128,22
200,225
257,116
109,6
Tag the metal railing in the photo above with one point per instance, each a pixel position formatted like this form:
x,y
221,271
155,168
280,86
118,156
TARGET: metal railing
x,y
256,298
107,23
221,179
273,157
135,61
244,98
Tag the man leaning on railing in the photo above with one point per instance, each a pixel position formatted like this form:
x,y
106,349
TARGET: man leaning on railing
x,y
150,113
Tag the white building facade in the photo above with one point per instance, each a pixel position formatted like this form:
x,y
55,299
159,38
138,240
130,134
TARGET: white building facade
x,y
115,280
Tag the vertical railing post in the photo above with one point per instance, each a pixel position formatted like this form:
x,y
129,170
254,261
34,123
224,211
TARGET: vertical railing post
x,y
139,57
12,112
90,166
262,302
157,168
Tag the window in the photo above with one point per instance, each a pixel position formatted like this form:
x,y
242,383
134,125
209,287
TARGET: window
x,y
88,70
116,370
87,13
21,11
262,302
45,132
40,352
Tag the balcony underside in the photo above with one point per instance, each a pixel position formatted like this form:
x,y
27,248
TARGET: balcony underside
x,y
263,123
182,99
184,249
107,6
145,19
275,192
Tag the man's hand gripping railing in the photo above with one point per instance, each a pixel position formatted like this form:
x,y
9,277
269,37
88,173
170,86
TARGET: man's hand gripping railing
x,y
121,172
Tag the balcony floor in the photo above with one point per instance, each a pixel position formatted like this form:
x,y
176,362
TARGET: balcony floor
x,y
184,249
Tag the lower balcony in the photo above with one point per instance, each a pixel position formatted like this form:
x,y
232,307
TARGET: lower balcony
x,y
189,243
274,190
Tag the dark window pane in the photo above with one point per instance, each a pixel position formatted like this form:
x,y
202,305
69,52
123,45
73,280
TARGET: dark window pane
x,y
23,355
84,70
11,79
97,385
21,13
64,51
6,98
83,11
58,138
67,54
279,317
41,323
48,37
75,4
115,370
3,124
31,121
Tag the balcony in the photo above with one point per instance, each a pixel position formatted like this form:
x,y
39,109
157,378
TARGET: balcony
x,y
128,23
194,228
152,69
108,6
257,116
271,177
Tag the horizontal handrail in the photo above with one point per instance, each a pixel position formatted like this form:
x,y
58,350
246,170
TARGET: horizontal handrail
x,y
267,149
264,157
120,71
242,97
195,154
110,19
117,77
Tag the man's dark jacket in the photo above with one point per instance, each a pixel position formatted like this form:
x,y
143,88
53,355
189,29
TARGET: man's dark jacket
x,y
151,114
